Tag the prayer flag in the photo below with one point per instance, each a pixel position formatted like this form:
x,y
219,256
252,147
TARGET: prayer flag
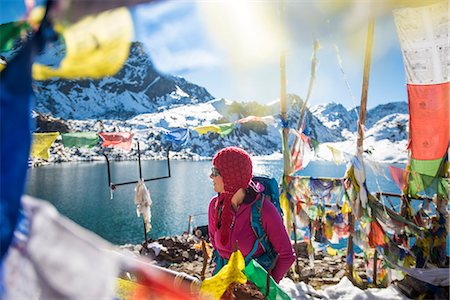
x,y
269,120
222,129
80,139
231,272
42,143
177,135
376,235
10,32
15,136
43,242
97,46
423,174
429,111
259,277
225,129
337,154
398,175
423,34
207,128
122,140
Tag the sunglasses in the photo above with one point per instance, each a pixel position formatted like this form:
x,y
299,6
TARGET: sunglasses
x,y
215,172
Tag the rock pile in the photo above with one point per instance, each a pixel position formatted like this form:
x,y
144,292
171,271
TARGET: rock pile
x,y
184,254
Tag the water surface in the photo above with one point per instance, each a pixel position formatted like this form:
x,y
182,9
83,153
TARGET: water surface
x,y
80,191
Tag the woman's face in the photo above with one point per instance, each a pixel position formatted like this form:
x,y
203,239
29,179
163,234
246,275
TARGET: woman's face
x,y
217,180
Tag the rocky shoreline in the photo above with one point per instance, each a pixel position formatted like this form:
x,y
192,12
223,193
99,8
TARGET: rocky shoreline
x,y
184,254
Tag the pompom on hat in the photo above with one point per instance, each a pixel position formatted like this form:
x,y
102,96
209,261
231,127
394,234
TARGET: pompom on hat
x,y
235,167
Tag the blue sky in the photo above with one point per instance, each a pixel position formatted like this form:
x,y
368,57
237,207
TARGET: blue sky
x,y
232,48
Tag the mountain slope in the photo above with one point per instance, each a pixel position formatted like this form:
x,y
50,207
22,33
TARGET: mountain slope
x,y
137,88
142,100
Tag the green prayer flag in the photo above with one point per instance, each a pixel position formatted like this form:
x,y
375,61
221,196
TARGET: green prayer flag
x,y
80,139
423,174
10,32
258,275
225,128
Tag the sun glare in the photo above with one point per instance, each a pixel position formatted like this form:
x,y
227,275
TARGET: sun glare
x,y
249,32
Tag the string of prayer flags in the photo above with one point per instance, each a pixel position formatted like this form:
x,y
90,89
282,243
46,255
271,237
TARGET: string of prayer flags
x,y
423,35
231,272
42,143
122,140
222,129
178,135
80,139
96,46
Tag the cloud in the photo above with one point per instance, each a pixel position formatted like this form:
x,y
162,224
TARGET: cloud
x,y
175,37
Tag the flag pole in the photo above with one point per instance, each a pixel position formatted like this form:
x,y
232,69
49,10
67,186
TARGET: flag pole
x,y
359,144
285,131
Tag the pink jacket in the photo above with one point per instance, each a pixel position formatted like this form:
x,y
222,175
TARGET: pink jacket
x,y
242,232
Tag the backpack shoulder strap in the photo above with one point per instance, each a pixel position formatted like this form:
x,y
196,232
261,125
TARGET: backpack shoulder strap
x,y
258,228
256,217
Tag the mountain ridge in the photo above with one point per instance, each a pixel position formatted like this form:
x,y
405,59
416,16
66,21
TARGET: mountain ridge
x,y
141,99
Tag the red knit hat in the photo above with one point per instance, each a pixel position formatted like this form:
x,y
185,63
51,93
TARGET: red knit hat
x,y
235,167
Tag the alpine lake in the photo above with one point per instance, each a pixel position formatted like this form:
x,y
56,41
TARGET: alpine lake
x,y
80,191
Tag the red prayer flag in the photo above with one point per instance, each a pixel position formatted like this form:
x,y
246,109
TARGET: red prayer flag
x,y
376,235
122,140
429,120
398,175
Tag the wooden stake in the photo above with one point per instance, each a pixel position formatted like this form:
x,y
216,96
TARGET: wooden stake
x,y
189,224
361,122
205,260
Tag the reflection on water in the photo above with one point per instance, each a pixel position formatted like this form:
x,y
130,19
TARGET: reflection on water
x,y
80,191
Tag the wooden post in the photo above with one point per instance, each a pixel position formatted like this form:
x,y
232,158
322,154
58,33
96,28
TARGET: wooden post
x,y
375,258
359,144
205,260
145,229
189,224
297,267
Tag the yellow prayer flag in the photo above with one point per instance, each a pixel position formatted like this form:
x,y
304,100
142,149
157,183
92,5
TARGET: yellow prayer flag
x,y
96,46
41,144
207,128
284,204
337,154
231,272
126,289
346,208
331,251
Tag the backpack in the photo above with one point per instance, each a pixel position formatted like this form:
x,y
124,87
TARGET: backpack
x,y
270,189
271,193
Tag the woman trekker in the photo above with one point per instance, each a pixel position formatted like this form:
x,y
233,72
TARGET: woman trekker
x,y
229,216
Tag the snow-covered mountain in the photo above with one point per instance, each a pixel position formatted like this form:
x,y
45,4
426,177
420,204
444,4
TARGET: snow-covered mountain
x,y
137,88
142,100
